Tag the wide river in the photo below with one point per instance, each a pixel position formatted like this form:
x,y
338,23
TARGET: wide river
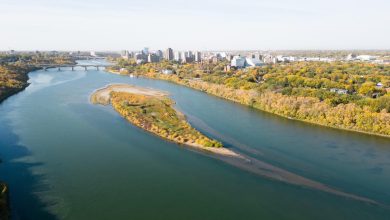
x,y
65,158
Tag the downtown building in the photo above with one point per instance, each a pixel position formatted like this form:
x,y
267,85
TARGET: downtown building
x,y
198,57
169,54
177,56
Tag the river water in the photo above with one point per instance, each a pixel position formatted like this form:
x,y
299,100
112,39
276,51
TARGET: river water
x,y
65,158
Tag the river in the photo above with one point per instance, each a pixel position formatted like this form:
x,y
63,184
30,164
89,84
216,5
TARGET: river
x,y
65,158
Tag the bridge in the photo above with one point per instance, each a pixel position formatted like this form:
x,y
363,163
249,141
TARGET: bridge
x,y
71,66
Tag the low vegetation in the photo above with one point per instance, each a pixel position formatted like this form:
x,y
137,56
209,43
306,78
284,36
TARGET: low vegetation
x,y
157,115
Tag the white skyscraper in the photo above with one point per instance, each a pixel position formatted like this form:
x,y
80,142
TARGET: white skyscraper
x,y
177,56
198,56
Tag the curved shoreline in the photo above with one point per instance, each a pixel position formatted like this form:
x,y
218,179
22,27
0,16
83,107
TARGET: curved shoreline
x,y
262,168
103,96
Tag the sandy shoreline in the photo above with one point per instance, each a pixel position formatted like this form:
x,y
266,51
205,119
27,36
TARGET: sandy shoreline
x,y
102,96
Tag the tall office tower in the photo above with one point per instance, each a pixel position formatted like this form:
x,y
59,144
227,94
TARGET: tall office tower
x,y
153,58
189,54
145,51
169,54
177,56
198,57
160,54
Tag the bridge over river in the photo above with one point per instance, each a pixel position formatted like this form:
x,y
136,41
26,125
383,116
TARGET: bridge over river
x,y
72,66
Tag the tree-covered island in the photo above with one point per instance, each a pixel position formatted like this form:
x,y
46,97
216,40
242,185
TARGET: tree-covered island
x,y
154,111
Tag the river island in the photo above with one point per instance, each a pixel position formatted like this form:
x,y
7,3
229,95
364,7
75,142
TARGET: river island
x,y
154,111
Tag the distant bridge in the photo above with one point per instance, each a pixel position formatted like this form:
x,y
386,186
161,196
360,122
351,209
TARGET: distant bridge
x,y
80,57
71,66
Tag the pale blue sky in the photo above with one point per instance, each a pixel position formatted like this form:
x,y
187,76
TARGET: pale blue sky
x,y
198,24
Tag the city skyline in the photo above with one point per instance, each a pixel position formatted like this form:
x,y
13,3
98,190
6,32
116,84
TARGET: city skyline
x,y
199,25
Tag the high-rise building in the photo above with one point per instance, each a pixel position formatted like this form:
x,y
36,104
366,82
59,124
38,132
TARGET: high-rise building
x,y
198,57
169,54
187,57
257,56
153,58
238,62
160,54
177,56
145,51
189,54
138,56
125,54
183,56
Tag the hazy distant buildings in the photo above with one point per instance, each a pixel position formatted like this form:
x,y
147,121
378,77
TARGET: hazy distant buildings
x,y
267,58
257,56
177,56
247,59
169,54
253,62
198,57
188,57
125,54
145,51
160,54
365,57
189,54
238,62
139,58
153,58
351,57
11,52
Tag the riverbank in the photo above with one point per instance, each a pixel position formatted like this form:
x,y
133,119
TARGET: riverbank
x,y
344,116
153,111
13,79
4,207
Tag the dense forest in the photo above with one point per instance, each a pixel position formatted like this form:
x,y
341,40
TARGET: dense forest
x,y
347,95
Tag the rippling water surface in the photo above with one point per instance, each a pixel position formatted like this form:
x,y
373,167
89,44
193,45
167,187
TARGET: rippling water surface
x,y
65,158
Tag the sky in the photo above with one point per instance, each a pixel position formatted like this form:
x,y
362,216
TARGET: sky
x,y
194,25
